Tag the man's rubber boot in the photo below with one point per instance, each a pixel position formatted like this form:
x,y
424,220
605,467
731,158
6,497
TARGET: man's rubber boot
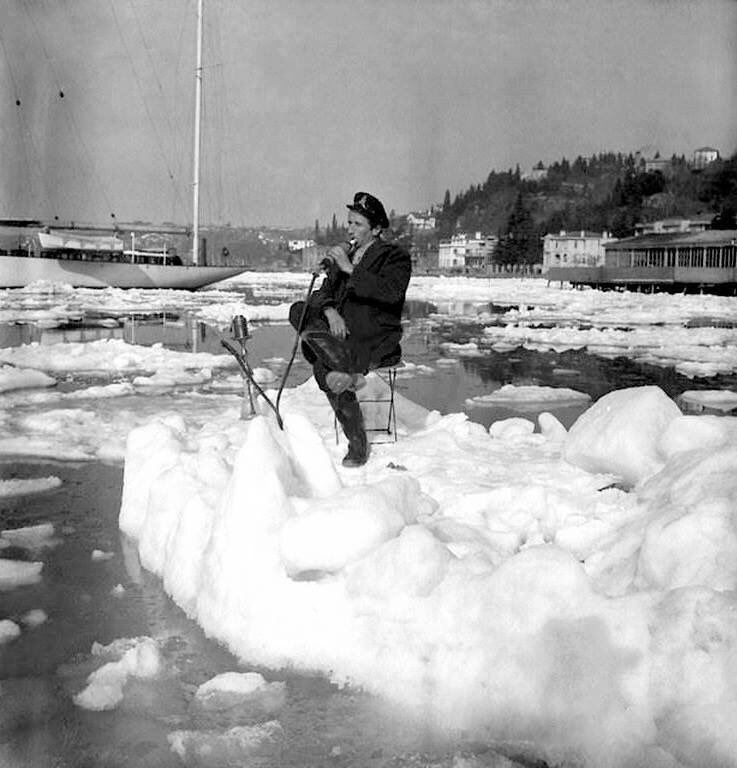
x,y
348,411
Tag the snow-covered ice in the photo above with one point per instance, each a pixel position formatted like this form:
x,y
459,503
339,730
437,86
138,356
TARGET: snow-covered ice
x,y
492,585
569,589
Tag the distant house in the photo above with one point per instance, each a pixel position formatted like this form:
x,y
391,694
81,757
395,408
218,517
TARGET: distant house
x,y
662,164
536,173
669,226
299,245
466,252
574,249
419,221
703,156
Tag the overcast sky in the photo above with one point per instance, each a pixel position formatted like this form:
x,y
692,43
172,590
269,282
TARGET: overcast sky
x,y
308,101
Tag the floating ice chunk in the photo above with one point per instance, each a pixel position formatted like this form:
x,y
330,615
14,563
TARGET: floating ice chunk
x,y
236,746
16,573
23,487
718,399
140,658
620,433
526,397
9,630
469,349
242,683
118,590
247,692
34,617
172,377
23,378
511,429
98,554
31,536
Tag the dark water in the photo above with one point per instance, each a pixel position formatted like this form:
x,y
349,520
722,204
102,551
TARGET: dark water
x,y
47,665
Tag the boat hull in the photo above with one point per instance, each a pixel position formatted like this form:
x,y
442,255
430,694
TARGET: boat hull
x,y
19,271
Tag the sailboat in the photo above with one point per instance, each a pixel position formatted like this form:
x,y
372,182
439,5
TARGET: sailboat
x,y
96,256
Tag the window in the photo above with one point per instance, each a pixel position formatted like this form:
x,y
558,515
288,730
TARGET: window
x,y
712,257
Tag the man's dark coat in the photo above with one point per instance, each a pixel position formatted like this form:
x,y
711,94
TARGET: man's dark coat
x,y
370,300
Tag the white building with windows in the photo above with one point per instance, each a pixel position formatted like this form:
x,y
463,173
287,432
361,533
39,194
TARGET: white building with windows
x,y
464,251
575,249
704,155
421,221
299,245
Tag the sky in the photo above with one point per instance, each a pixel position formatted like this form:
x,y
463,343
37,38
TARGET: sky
x,y
570,591
308,101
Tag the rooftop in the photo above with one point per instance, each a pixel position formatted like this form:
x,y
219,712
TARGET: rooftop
x,y
707,237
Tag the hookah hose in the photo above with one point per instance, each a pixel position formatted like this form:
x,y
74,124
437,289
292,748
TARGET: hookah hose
x,y
300,325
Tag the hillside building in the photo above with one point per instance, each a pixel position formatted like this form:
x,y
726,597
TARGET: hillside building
x,y
421,221
670,226
703,156
537,173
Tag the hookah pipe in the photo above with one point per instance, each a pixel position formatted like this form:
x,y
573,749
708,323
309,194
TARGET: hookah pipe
x,y
239,330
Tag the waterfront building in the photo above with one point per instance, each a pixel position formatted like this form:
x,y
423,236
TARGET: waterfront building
x,y
677,261
574,249
466,252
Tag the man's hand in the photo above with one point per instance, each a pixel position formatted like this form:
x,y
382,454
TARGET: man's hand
x,y
338,255
336,323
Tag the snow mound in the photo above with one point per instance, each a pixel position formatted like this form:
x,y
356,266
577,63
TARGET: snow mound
x,y
620,434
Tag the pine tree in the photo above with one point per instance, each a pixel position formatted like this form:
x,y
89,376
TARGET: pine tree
x,y
519,244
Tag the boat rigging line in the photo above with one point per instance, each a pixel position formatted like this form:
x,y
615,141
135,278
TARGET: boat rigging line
x,y
67,112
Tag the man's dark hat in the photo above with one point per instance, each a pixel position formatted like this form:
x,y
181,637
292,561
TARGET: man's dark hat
x,y
370,207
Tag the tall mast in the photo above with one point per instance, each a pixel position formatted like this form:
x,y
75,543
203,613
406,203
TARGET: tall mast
x,y
197,120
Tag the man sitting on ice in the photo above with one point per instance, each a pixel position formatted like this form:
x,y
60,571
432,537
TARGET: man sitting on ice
x,y
353,322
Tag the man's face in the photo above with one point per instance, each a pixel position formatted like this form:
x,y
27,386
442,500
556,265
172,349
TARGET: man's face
x,y
359,228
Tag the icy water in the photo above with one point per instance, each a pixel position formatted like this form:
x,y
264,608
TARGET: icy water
x,y
100,600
